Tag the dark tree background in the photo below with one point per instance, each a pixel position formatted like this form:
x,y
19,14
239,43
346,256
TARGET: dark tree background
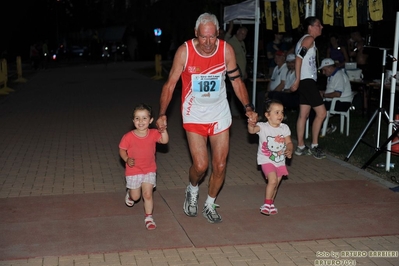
x,y
74,21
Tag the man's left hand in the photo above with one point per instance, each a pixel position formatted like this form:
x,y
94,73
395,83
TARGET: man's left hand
x,y
252,117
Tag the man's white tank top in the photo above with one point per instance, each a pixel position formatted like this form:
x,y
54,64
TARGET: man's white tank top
x,y
309,67
204,89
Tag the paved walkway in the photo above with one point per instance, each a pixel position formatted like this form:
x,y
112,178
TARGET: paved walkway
x,y
62,188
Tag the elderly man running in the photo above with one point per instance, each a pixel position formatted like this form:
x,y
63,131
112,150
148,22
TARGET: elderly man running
x,y
202,64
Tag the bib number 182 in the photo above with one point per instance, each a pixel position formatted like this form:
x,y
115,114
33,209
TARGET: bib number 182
x,y
205,86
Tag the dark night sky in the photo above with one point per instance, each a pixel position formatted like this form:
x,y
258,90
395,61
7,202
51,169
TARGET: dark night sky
x,y
27,21
35,20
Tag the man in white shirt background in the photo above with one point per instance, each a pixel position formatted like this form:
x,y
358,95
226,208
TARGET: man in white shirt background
x,y
289,99
338,85
279,74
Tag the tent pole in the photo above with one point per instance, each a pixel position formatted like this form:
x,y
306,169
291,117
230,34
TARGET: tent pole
x,y
393,90
255,66
313,8
310,10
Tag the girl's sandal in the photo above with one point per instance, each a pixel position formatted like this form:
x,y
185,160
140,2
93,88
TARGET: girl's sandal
x,y
273,210
128,200
149,223
265,209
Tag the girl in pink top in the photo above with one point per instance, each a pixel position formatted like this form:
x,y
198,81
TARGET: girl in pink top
x,y
137,148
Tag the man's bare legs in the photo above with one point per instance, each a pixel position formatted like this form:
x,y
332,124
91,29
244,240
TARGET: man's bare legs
x,y
220,150
199,153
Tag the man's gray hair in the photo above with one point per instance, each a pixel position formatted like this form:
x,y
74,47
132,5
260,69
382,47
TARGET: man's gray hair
x,y
205,18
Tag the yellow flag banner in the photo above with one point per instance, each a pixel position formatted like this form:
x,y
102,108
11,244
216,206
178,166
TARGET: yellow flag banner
x,y
328,12
280,15
294,14
375,9
268,16
350,13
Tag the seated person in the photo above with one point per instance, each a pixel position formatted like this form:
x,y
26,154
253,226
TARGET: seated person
x,y
277,80
273,47
289,99
338,85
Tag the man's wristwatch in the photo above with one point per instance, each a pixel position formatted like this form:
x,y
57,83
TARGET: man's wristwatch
x,y
249,105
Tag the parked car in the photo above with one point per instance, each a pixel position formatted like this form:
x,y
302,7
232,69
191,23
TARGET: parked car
x,y
62,53
78,51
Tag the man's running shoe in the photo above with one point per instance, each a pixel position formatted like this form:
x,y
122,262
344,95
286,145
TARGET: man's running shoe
x,y
318,153
211,214
303,151
190,205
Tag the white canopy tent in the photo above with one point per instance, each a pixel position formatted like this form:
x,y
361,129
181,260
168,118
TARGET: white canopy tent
x,y
248,12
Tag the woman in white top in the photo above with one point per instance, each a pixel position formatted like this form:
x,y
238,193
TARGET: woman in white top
x,y
305,83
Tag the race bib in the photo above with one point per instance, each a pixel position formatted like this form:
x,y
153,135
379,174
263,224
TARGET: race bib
x,y
206,86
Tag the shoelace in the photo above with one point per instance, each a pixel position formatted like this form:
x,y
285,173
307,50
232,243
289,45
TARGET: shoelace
x,y
193,198
212,208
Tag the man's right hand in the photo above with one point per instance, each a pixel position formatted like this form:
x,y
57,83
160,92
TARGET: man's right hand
x,y
162,123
